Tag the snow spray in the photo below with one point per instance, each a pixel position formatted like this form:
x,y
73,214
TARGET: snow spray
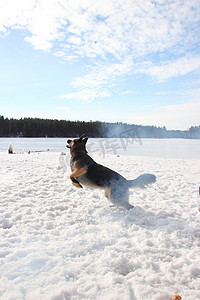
x,y
199,195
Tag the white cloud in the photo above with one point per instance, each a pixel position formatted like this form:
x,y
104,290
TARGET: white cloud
x,y
128,92
63,108
87,95
164,93
103,73
102,27
92,85
179,116
178,67
116,37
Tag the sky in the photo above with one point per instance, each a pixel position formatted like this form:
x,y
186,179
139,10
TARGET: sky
x,y
132,61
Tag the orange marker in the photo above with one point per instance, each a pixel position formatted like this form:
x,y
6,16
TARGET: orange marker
x,y
176,297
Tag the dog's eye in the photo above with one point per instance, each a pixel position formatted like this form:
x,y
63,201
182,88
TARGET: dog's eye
x,y
76,141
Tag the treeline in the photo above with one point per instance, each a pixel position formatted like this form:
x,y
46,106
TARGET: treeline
x,y
35,127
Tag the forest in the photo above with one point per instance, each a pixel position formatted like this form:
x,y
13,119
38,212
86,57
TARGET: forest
x,y
36,127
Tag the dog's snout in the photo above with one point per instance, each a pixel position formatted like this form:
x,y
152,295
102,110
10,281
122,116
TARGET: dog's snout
x,y
68,144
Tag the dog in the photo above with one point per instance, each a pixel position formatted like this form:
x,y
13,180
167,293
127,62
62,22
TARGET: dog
x,y
86,172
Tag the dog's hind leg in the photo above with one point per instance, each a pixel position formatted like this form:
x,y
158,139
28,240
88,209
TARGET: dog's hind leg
x,y
120,197
121,203
107,192
76,173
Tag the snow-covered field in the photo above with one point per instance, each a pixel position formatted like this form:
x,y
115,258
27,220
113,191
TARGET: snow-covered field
x,y
58,242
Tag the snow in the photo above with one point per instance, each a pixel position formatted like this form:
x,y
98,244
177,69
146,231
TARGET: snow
x,y
58,242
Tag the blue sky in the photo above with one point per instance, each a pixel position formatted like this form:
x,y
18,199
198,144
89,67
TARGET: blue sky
x,y
118,61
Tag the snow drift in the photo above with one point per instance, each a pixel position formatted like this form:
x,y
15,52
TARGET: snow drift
x,y
58,242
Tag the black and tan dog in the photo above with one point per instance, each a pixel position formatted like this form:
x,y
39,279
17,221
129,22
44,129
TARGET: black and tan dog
x,y
85,171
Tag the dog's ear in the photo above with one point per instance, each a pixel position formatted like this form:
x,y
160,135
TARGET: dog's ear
x,y
82,136
85,140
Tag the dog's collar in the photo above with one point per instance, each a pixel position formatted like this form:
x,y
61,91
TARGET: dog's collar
x,y
77,151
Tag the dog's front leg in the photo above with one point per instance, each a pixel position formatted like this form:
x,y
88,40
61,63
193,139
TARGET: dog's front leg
x,y
77,172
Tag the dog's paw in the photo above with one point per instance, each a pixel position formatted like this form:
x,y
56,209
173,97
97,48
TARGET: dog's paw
x,y
77,184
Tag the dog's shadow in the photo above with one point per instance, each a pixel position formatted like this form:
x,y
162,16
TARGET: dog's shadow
x,y
160,221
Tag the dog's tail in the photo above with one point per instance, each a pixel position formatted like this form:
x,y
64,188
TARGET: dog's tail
x,y
142,181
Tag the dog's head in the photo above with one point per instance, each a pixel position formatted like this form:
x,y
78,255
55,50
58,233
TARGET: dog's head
x,y
77,144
